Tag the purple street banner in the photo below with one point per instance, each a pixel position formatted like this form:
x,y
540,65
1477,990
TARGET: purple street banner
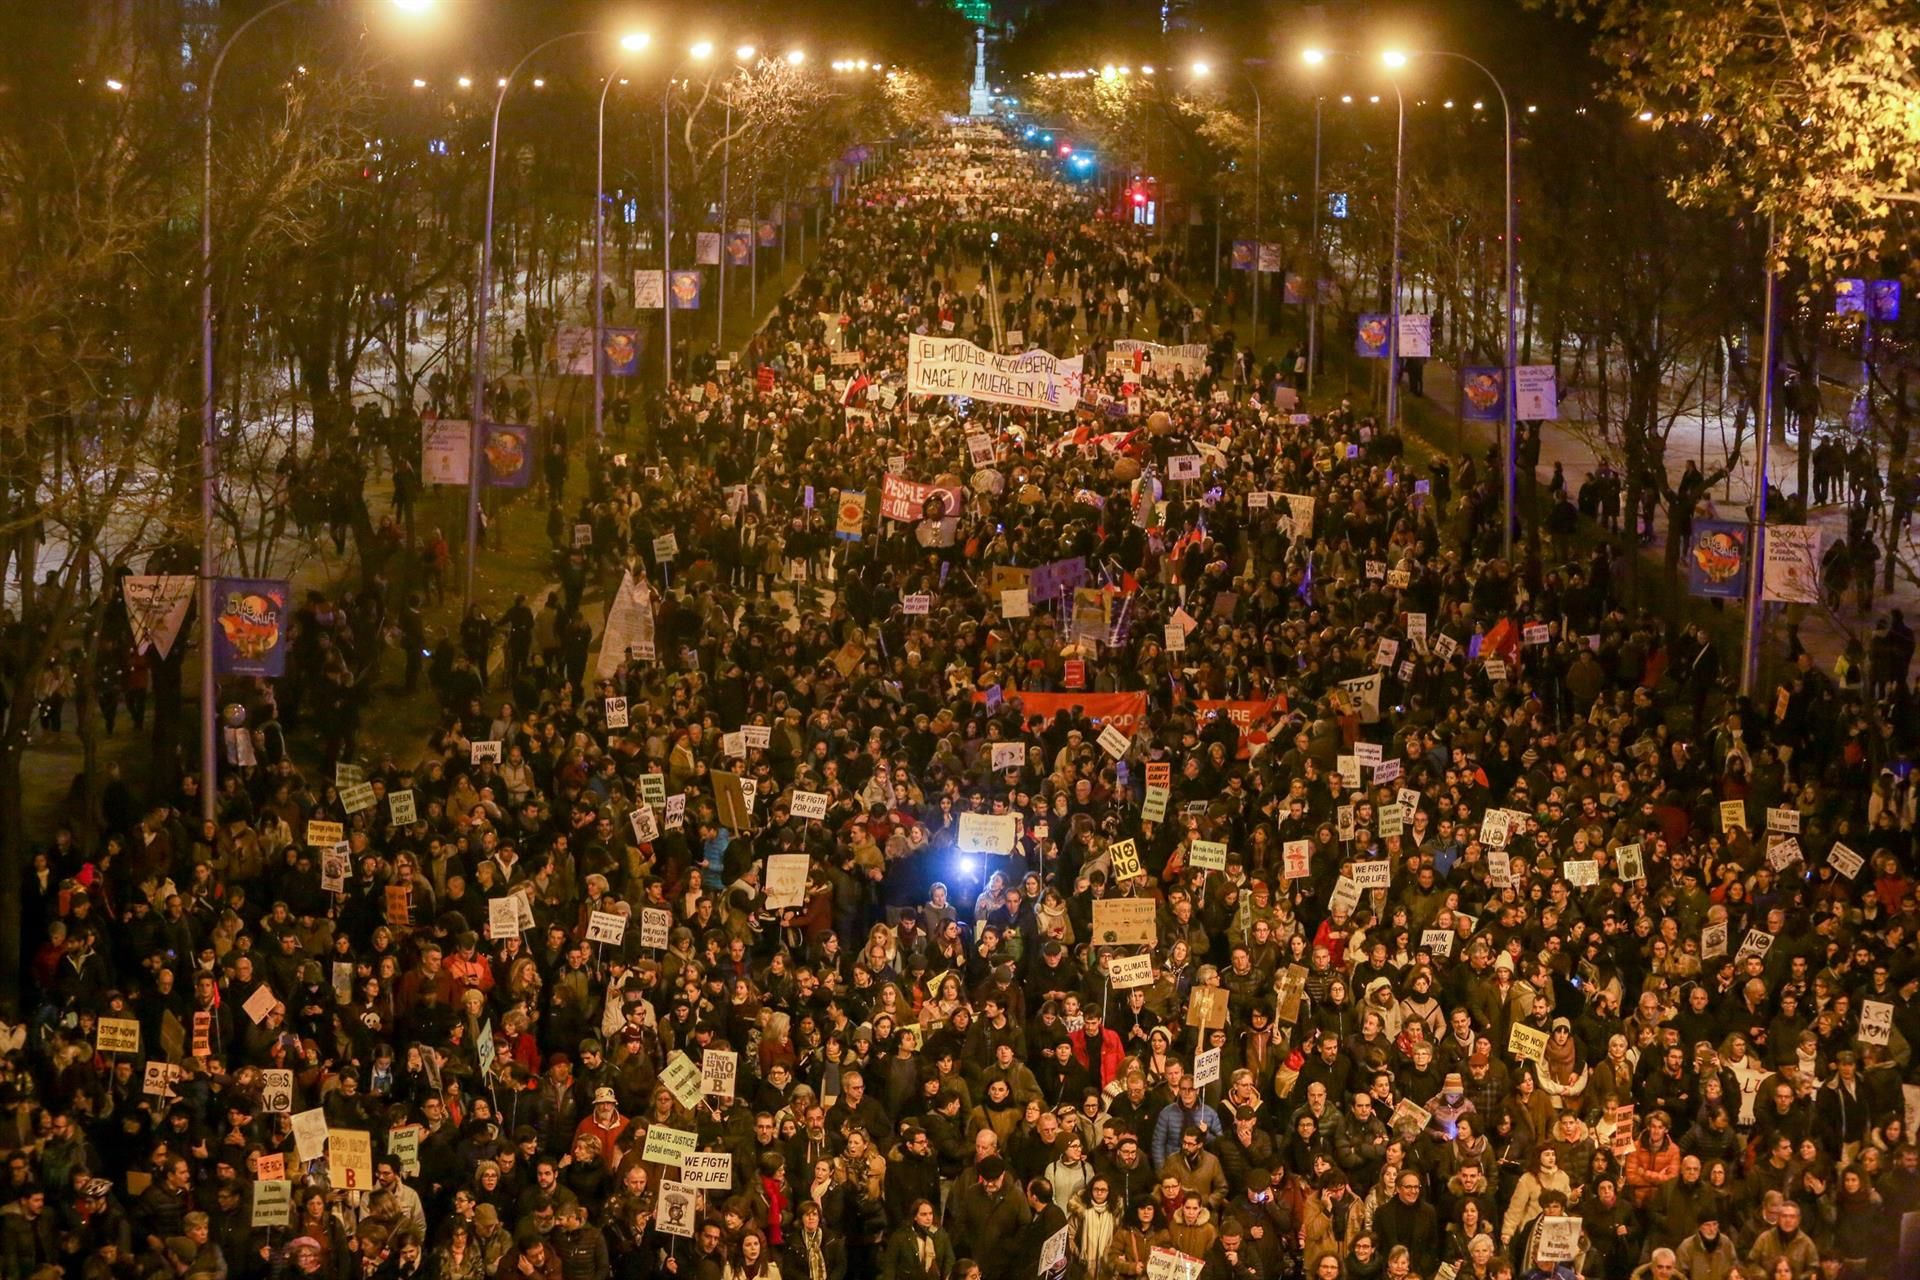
x,y
620,352
509,453
1243,255
1883,300
251,639
1481,398
739,248
1717,559
685,288
769,233
1370,335
1849,297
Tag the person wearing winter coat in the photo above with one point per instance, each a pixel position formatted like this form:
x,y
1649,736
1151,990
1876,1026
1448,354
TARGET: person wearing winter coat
x,y
1706,1254
1332,1218
1524,1207
1094,1224
1785,1239
1192,1230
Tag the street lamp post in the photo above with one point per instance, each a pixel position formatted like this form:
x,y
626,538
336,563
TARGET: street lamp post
x,y
632,43
1757,511
1509,449
1393,274
209,430
1313,298
477,409
1259,134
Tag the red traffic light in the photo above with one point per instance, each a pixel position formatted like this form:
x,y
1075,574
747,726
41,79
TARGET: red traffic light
x,y
1066,149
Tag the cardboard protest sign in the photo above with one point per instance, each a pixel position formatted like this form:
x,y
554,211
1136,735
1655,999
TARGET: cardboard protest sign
x,y
117,1035
272,1203
1125,921
668,1146
1128,972
276,1091
608,927
719,1069
682,1079
350,1159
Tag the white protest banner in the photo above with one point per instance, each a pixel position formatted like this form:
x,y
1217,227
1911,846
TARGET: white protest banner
x,y
1206,1067
615,710
759,737
665,1145
629,627
1008,755
1166,1263
1535,397
1015,604
809,805
682,1079
1416,336
980,450
503,918
357,798
1373,873
158,1078
1125,921
272,1203
709,1170
1113,740
1127,972
1296,858
1557,1239
446,448
1581,872
956,367
1189,358
401,808
403,1144
1153,805
1174,638
1437,942
1053,1254
646,828
1209,855
1790,556
276,1091
334,865
673,814
324,835
260,1003
485,751
918,605
677,1212
609,927
1366,691
1876,1022
650,285
350,1159
786,880
156,607
1786,818
656,927
117,1035
1185,466
719,1069
1846,861
987,832
1390,820
310,1134
1713,941
1757,942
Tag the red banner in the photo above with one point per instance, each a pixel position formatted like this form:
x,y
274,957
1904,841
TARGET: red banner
x,y
905,500
1122,709
1251,718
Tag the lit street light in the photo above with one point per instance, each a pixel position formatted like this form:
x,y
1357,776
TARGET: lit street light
x,y
632,42
209,735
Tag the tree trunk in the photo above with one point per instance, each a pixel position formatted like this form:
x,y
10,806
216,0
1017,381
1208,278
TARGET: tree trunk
x,y
14,942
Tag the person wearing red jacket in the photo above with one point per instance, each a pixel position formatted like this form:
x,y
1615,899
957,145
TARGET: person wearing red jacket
x,y
1097,1048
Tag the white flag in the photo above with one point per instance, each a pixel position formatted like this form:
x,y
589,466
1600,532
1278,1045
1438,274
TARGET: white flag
x,y
156,607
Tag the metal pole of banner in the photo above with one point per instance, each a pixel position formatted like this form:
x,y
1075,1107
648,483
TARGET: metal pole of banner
x,y
1757,510
599,265
726,181
666,233
753,256
477,410
1313,298
1393,274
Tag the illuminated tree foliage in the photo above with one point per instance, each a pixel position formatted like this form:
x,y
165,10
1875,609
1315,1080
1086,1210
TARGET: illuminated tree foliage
x,y
1806,109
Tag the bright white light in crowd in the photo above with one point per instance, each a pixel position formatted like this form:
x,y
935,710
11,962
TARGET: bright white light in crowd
x,y
466,82
1374,99
538,83
115,85
1313,57
1531,108
704,49
1448,104
795,57
1347,98
1393,59
862,64
1146,71
1202,69
634,41
1646,116
418,83
413,6
1479,106
1126,71
744,52
502,82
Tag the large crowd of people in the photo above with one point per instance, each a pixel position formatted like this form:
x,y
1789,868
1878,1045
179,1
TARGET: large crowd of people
x,y
1156,839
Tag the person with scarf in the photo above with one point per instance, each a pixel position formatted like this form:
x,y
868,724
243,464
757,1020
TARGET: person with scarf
x,y
1130,1249
1094,1220
1563,1074
919,1250
814,1251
